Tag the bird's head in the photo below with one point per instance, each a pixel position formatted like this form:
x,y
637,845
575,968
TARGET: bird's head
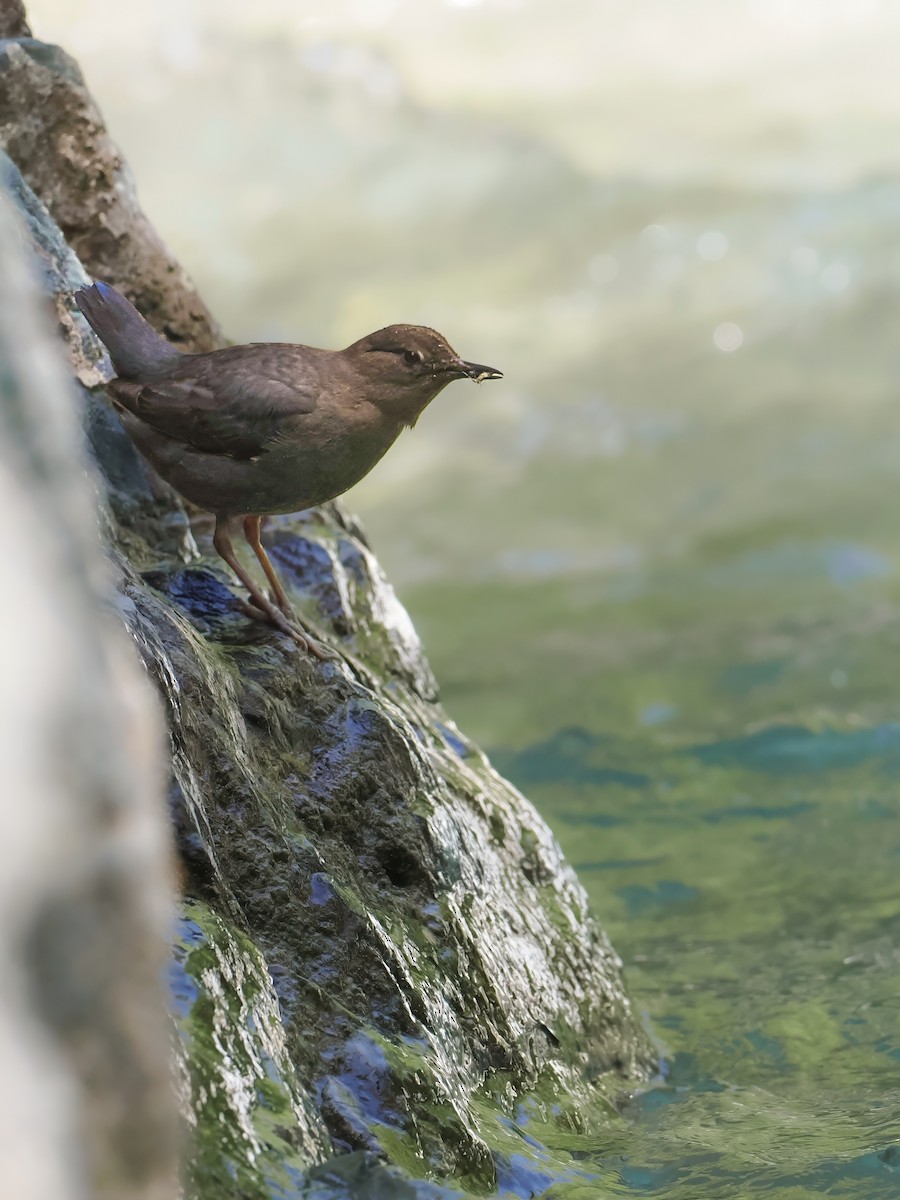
x,y
405,366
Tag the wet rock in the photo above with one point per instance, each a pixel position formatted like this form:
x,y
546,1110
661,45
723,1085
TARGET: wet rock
x,y
250,1116
84,848
354,871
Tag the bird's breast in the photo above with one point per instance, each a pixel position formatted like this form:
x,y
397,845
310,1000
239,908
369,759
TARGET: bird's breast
x,y
321,460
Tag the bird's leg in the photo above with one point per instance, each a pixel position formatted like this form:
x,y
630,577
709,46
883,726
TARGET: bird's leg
x,y
259,601
252,526
251,533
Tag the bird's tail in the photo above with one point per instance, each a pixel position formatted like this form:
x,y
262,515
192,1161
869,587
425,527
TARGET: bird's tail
x,y
134,346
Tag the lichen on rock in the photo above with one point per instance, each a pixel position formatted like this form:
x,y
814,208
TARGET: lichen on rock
x,y
384,954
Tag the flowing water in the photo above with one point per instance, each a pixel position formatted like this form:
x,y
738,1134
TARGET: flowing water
x,y
690,662
701,697
720,758
656,568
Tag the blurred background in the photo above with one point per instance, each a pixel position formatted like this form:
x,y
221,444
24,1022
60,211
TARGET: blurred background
x,y
656,567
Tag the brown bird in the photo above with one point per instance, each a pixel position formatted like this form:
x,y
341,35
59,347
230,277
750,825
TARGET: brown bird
x,y
267,428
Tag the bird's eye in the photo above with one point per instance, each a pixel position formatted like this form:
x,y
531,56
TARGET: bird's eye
x,y
412,357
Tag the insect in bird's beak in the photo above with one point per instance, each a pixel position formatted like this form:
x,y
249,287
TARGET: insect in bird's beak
x,y
476,371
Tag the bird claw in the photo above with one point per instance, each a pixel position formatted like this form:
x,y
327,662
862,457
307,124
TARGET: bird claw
x,y
251,610
292,628
318,650
282,603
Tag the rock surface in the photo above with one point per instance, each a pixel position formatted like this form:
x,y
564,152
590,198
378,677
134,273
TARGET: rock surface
x,y
383,955
85,884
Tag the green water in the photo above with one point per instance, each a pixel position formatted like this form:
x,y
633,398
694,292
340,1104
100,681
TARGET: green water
x,y
716,744
717,747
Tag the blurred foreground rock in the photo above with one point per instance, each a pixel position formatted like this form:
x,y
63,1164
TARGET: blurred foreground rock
x,y
382,956
85,889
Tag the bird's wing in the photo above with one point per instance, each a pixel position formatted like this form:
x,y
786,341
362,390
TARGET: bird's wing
x,y
233,401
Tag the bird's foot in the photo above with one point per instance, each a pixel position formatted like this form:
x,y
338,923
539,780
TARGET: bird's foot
x,y
314,647
281,601
273,615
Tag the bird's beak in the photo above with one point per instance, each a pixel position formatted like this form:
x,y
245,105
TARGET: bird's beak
x,y
476,371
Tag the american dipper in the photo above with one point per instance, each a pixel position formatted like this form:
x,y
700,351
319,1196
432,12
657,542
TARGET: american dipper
x,y
267,428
